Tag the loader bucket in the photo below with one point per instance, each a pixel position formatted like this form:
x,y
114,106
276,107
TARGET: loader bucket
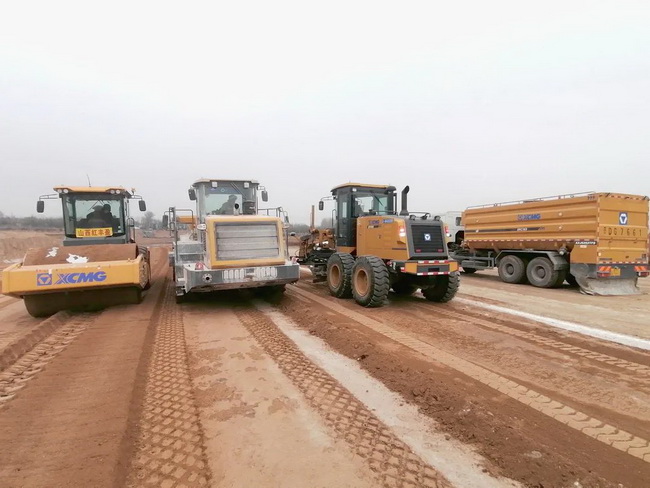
x,y
608,286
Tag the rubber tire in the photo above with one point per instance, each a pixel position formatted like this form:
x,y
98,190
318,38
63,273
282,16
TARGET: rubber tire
x,y
469,270
544,265
343,262
571,280
444,289
42,305
512,269
403,287
148,285
378,284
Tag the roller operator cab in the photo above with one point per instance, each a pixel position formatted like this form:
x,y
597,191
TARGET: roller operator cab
x,y
377,249
227,244
98,264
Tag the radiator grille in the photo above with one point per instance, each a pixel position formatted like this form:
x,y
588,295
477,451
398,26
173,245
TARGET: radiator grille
x,y
247,241
427,239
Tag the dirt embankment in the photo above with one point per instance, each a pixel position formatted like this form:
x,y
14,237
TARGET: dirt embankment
x,y
14,243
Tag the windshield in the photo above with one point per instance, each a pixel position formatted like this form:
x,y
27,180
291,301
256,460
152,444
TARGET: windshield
x,y
371,203
93,215
227,198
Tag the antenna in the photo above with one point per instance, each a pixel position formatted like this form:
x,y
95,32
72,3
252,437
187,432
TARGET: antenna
x,y
88,178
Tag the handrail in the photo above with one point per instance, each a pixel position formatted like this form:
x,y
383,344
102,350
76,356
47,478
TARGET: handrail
x,y
531,200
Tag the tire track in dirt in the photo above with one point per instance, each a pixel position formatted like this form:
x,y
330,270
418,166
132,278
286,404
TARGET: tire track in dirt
x,y
170,448
636,368
16,376
393,461
590,426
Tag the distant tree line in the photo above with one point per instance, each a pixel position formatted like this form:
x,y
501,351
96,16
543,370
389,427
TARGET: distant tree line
x,y
9,222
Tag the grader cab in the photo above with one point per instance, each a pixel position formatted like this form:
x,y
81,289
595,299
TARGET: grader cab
x,y
376,249
99,263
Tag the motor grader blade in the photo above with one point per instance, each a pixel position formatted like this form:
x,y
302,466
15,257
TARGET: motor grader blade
x,y
78,278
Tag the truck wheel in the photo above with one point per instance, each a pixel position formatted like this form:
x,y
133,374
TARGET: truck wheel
x,y
370,282
403,287
469,270
339,274
540,273
512,269
444,288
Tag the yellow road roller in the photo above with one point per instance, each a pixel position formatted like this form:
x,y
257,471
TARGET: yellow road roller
x,y
98,264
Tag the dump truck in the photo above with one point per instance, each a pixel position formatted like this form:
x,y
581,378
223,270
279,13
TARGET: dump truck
x,y
98,265
372,248
598,241
228,245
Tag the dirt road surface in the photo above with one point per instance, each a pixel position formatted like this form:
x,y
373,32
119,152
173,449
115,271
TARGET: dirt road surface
x,y
230,390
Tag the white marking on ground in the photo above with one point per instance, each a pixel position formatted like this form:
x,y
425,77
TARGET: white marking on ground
x,y
456,461
624,339
74,259
52,252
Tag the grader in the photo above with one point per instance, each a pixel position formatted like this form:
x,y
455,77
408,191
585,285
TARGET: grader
x,y
372,248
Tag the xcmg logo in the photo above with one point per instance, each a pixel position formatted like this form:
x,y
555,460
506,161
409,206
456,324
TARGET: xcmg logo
x,y
45,279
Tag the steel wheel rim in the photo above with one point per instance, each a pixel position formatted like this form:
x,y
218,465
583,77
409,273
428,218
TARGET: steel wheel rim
x,y
362,282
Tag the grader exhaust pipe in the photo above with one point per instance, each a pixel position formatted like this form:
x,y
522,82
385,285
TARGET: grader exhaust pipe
x,y
404,210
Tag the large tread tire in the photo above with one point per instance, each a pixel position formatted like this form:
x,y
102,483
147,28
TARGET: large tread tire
x,y
541,274
403,287
469,270
339,274
444,289
561,276
370,282
43,305
512,269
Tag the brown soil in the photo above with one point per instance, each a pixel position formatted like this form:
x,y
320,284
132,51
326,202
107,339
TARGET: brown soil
x,y
65,424
520,442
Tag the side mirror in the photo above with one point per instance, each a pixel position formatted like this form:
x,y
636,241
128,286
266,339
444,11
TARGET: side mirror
x,y
142,205
265,196
192,193
40,206
286,219
321,205
165,221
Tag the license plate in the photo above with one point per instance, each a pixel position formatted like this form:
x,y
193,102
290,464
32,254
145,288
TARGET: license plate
x,y
616,272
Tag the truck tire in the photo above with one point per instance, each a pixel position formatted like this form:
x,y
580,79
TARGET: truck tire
x,y
339,274
469,270
403,287
370,282
512,269
444,289
541,274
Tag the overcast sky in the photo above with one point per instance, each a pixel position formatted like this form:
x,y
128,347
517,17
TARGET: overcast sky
x,y
468,102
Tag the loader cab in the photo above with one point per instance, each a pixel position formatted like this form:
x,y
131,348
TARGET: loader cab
x,y
355,200
94,215
226,197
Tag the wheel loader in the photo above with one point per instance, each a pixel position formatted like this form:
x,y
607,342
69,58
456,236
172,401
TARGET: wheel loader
x,y
372,248
228,244
98,264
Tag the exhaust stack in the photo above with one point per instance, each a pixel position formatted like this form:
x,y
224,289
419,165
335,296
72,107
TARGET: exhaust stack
x,y
404,201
